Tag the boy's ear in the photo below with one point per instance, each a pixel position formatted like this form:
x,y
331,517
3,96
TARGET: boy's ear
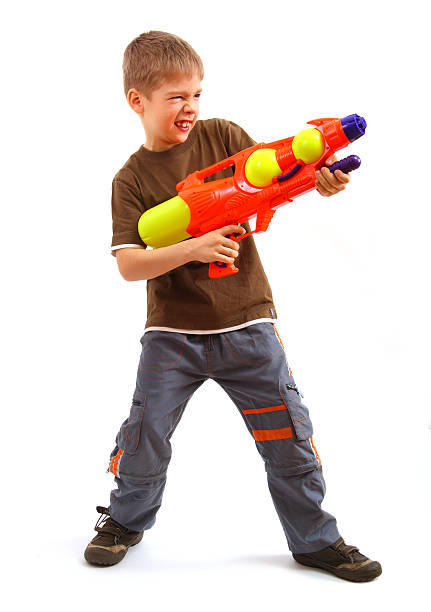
x,y
136,101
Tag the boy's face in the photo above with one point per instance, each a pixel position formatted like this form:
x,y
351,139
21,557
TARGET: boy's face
x,y
171,113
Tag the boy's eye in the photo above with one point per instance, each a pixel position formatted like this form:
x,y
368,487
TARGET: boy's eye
x,y
198,95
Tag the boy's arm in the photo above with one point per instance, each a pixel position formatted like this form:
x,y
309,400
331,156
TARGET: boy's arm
x,y
142,264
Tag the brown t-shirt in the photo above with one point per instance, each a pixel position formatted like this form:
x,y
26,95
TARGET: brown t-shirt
x,y
186,298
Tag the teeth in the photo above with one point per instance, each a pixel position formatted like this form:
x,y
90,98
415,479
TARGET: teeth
x,y
184,124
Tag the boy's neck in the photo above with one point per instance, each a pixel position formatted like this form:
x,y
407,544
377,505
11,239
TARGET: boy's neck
x,y
158,147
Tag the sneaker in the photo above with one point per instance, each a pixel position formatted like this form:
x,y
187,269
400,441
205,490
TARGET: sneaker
x,y
112,540
342,560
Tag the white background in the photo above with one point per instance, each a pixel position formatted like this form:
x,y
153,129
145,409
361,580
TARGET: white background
x,y
350,277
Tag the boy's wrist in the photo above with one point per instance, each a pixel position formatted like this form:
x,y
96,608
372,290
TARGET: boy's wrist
x,y
188,249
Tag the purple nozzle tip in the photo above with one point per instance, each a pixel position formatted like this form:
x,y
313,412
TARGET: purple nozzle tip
x,y
353,126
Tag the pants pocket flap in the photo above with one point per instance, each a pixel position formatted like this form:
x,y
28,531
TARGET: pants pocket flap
x,y
130,432
297,410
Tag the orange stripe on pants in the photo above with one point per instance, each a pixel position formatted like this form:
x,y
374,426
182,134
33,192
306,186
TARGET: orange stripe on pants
x,y
315,450
278,336
114,462
269,409
263,435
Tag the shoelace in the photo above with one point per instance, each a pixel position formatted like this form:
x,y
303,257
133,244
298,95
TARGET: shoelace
x,y
345,549
106,524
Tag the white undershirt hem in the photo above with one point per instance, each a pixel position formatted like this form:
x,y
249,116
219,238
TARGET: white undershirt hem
x,y
127,246
208,331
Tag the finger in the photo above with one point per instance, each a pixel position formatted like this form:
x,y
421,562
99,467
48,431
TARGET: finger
x,y
323,191
230,245
325,182
229,252
328,191
331,160
341,176
232,229
329,176
225,259
334,181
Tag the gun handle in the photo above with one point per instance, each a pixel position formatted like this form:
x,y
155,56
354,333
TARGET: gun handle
x,y
348,164
218,269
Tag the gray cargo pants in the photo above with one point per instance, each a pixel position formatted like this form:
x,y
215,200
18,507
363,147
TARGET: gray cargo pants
x,y
250,365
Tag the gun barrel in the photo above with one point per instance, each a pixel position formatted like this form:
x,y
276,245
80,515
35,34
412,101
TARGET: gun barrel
x,y
353,126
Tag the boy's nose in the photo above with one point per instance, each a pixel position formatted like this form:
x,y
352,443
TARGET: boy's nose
x,y
190,107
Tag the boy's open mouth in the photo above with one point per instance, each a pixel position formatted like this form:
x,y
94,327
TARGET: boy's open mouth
x,y
183,126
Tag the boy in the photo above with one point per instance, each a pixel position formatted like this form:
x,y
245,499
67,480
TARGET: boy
x,y
199,328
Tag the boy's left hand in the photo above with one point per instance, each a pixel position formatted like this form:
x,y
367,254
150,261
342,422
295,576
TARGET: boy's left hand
x,y
328,183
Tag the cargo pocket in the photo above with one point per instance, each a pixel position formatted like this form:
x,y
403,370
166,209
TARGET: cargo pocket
x,y
298,412
130,432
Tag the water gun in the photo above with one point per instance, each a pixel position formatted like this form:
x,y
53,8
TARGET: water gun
x,y
266,177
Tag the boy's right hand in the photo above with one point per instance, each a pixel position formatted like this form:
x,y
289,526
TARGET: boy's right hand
x,y
216,246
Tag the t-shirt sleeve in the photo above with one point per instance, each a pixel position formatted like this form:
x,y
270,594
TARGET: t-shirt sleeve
x,y
236,139
127,207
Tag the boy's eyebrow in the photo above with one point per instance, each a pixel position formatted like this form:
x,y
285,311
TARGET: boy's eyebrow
x,y
181,93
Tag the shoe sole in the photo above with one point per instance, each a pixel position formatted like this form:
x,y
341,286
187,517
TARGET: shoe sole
x,y
102,562
369,572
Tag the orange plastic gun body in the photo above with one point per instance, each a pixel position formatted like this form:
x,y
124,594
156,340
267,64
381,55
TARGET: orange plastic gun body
x,y
266,176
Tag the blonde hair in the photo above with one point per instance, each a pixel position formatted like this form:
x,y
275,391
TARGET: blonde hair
x,y
153,56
